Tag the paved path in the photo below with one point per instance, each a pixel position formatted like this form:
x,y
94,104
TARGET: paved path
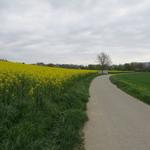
x,y
117,121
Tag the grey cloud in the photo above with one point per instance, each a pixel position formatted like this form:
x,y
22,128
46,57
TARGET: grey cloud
x,y
74,31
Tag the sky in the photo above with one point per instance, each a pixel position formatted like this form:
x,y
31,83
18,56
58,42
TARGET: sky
x,y
74,31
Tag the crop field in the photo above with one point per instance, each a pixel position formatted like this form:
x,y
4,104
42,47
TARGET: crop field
x,y
42,108
118,71
136,84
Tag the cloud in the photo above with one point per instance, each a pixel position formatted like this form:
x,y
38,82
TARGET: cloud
x,y
74,31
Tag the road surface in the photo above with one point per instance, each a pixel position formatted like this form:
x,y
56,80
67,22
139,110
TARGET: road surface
x,y
117,121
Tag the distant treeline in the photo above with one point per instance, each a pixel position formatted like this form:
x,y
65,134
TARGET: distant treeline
x,y
134,66
72,66
3,60
124,67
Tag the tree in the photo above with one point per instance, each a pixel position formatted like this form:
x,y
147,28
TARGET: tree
x,y
104,61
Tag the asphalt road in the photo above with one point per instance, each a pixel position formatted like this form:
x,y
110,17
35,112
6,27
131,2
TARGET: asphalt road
x,y
117,121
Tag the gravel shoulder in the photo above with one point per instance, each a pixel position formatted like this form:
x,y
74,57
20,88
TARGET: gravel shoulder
x,y
117,121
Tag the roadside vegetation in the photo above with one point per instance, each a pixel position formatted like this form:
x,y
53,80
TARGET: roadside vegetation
x,y
136,84
42,108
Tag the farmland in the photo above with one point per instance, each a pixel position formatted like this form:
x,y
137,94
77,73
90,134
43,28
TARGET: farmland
x,y
136,84
42,108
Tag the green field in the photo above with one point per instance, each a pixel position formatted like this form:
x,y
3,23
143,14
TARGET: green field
x,y
136,84
117,71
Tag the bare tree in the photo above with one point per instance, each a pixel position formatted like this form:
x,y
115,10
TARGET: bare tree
x,y
104,61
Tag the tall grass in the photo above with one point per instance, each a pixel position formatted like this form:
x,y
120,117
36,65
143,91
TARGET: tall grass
x,y
42,108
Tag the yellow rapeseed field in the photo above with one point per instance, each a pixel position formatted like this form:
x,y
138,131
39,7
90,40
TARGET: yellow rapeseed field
x,y
19,80
41,73
42,107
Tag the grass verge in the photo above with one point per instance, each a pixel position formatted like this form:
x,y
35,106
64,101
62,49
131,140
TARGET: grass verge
x,y
135,84
54,124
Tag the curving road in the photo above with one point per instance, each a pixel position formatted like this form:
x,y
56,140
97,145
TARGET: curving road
x,y
117,121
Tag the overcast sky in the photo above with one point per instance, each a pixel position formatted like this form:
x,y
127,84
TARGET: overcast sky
x,y
74,31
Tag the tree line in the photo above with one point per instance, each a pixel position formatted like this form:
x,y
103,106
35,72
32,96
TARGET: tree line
x,y
134,66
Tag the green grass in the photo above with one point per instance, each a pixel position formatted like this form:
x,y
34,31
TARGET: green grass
x,y
55,124
117,71
136,84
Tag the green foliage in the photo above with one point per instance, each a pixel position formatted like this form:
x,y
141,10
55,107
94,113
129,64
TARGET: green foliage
x,y
44,121
136,84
